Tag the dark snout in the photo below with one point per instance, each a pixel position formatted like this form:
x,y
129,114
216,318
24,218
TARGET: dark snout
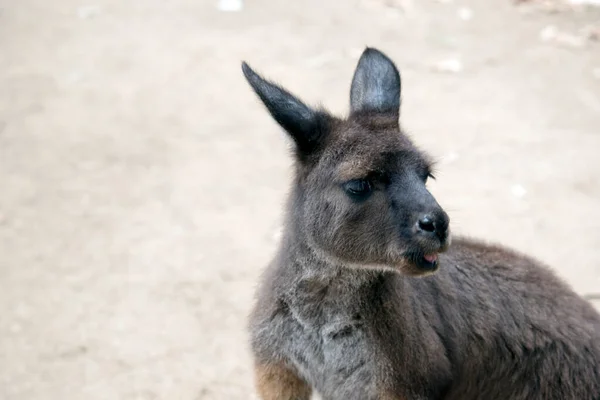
x,y
429,230
428,222
434,224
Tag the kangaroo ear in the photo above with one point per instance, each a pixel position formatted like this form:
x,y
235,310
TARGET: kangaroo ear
x,y
305,125
376,84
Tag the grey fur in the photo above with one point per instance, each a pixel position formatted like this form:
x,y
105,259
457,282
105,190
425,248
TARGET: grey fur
x,y
347,306
376,84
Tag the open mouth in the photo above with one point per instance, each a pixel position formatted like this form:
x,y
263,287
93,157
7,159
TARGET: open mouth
x,y
425,262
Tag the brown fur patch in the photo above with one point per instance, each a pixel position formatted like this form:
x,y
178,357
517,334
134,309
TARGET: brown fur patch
x,y
391,396
275,382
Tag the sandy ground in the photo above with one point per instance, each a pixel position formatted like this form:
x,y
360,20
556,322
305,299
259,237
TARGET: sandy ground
x,y
141,182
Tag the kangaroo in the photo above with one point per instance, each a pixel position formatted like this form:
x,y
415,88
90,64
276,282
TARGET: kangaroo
x,y
366,298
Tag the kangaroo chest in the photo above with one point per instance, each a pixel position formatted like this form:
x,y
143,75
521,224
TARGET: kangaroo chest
x,y
347,341
326,337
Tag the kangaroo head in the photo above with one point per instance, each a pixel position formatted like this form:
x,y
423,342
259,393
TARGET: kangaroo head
x,y
360,194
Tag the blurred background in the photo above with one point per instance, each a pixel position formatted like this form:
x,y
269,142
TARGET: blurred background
x,y
142,182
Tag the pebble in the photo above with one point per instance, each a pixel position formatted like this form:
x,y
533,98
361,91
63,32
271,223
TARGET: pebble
x,y
89,11
451,65
230,5
551,34
450,157
465,13
518,190
585,2
548,33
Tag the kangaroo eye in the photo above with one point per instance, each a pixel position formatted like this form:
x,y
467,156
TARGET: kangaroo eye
x,y
426,176
358,189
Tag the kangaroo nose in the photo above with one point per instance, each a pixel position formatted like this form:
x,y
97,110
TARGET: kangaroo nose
x,y
434,223
426,224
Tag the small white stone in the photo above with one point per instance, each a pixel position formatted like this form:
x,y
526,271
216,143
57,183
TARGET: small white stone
x,y
569,40
585,2
405,6
551,34
230,5
451,65
465,13
89,11
548,33
518,190
450,157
